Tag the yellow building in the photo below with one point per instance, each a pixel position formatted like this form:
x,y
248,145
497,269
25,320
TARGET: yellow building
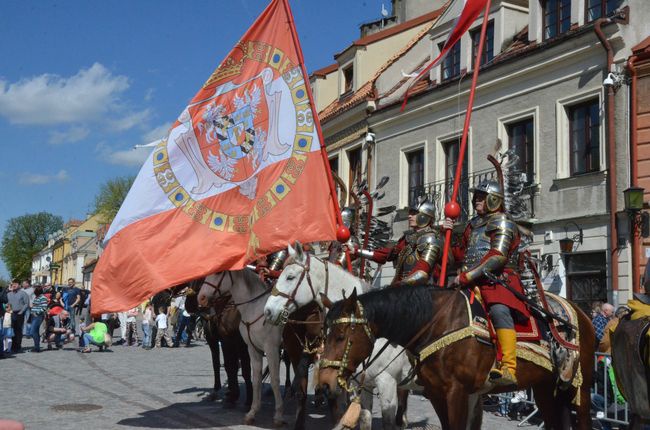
x,y
79,247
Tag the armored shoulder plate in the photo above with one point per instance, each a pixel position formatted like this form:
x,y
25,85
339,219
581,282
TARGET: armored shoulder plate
x,y
478,221
500,221
429,246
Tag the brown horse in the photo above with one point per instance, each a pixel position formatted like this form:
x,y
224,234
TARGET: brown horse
x,y
455,376
221,325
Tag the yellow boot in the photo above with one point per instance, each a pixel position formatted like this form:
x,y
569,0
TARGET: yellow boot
x,y
506,375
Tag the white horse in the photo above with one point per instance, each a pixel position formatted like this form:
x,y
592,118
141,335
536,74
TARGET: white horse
x,y
306,279
249,293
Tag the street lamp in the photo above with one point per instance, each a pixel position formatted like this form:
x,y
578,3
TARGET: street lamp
x,y
639,221
566,244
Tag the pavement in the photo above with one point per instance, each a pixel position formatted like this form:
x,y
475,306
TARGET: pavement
x,y
132,388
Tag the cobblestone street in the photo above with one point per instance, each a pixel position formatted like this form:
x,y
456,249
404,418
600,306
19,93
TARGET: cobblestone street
x,y
128,387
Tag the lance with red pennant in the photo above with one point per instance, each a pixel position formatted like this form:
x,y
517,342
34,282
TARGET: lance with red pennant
x,y
452,208
242,172
471,10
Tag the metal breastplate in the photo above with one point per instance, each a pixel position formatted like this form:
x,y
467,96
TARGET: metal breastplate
x,y
477,246
408,257
337,255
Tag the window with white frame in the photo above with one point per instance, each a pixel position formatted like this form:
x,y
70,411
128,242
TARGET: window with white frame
x,y
595,9
488,45
450,66
557,17
584,137
415,163
521,142
348,79
451,150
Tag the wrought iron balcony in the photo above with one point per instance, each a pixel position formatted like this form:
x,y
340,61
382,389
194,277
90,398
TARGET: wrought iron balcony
x,y
439,193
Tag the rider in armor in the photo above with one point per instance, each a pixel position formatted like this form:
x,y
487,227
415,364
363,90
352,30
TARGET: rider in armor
x,y
337,250
271,266
489,244
416,254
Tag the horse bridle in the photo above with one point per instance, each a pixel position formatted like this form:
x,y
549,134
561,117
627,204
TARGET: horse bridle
x,y
343,363
291,298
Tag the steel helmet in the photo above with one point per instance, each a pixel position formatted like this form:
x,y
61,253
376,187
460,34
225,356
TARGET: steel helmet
x,y
426,214
348,215
494,192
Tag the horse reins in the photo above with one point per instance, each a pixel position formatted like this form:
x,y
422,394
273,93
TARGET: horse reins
x,y
291,298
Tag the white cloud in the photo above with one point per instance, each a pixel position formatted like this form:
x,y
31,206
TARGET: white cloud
x,y
130,121
49,99
124,157
74,134
159,132
40,179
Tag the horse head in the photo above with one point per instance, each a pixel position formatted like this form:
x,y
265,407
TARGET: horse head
x,y
294,288
211,288
349,341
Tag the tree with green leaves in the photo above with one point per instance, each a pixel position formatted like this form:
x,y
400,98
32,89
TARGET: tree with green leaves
x,y
23,237
110,197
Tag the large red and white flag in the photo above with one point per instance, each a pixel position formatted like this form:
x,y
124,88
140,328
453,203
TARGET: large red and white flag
x,y
239,176
471,10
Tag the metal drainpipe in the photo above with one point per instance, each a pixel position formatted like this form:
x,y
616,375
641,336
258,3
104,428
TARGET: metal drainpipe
x,y
611,149
634,174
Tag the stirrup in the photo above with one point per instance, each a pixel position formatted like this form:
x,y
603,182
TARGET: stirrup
x,y
502,376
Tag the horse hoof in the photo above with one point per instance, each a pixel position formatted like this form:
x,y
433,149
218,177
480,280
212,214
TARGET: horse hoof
x,y
249,420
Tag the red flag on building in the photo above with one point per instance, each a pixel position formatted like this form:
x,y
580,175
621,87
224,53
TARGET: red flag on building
x,y
239,175
471,10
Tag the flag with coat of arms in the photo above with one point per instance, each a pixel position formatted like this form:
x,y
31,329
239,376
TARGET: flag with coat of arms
x,y
239,175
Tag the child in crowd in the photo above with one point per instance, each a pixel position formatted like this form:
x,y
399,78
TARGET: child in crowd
x,y
161,324
7,330
132,327
147,320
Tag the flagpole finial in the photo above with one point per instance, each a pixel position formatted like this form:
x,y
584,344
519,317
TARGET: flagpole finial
x,y
452,209
343,234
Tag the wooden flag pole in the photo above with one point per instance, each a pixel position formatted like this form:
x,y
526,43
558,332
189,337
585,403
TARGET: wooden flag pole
x,y
342,232
452,208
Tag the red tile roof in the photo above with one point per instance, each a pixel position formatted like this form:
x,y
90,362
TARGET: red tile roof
x,y
642,46
326,70
368,91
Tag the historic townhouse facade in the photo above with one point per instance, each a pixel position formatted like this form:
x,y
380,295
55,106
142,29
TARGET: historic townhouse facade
x,y
540,94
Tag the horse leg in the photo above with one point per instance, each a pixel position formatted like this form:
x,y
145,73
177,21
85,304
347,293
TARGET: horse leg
x,y
457,407
231,364
402,404
365,400
439,403
387,388
245,360
273,359
213,343
545,401
299,386
256,365
288,388
475,409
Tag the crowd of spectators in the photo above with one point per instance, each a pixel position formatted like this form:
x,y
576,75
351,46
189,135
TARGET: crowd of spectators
x,y
54,316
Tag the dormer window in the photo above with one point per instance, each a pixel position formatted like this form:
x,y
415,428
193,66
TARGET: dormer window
x,y
557,17
600,8
488,46
348,79
450,66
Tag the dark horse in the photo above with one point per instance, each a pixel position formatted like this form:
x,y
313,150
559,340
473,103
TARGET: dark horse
x,y
630,352
221,327
455,375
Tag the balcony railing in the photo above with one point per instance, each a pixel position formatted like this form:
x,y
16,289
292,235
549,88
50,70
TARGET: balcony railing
x,y
439,193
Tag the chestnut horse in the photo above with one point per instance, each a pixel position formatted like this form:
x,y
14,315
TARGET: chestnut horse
x,y
455,376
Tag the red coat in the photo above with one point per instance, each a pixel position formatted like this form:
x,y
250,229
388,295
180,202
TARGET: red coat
x,y
383,255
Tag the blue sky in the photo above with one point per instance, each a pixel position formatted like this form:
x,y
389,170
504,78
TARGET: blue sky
x,y
83,81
